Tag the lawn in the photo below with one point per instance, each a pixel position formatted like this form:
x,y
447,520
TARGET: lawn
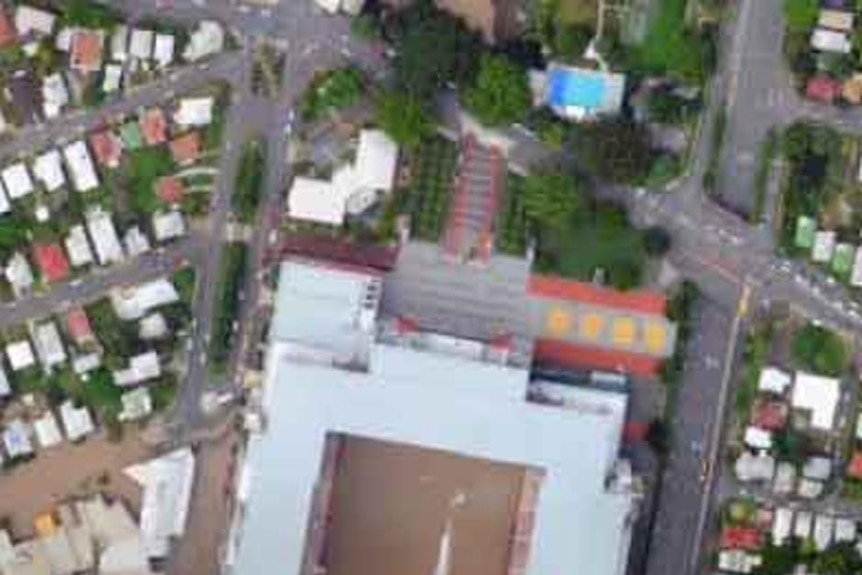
x,y
249,181
432,173
820,351
119,338
511,229
227,304
600,239
672,47
145,166
579,11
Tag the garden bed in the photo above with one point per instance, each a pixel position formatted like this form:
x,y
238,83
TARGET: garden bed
x,y
432,174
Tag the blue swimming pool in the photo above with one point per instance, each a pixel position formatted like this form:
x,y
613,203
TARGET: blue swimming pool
x,y
576,88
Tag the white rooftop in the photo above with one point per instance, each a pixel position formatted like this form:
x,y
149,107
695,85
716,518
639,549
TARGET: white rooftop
x,y
16,439
194,112
77,421
205,40
47,431
824,245
142,367
315,200
167,483
435,401
141,44
20,355
48,170
33,20
78,247
81,168
773,380
109,250
830,41
168,225
49,345
376,161
16,179
134,302
819,396
163,50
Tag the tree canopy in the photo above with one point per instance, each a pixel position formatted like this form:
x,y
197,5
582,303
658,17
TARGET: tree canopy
x,y
616,150
433,48
821,351
501,94
800,15
552,198
404,119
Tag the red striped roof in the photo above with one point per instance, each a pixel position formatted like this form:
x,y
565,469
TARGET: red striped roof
x,y
645,302
561,354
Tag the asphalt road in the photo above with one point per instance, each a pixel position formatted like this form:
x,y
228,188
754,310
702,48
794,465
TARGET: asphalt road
x,y
675,542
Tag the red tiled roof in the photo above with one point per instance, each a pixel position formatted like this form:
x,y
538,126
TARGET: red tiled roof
x,y
170,190
87,50
154,127
855,468
559,354
745,538
347,253
107,148
78,325
822,89
770,415
52,262
186,148
580,292
8,35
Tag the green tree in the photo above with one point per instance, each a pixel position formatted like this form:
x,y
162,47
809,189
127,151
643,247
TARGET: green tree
x,y
551,199
839,559
657,241
570,41
616,150
433,48
821,351
404,119
501,94
800,15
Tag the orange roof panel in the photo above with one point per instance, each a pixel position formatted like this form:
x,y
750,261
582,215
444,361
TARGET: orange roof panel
x,y
579,357
644,302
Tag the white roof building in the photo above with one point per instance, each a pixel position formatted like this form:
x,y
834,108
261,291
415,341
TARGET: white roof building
x,y
819,396
835,20
195,112
773,380
824,526
30,20
16,439
758,438
737,561
113,78
824,245
136,242
5,206
313,201
817,468
141,44
376,161
809,488
142,367
20,355
168,225
781,525
48,169
137,404
16,179
5,388
163,50
856,275
430,399
785,478
204,41
120,44
845,530
153,326
55,95
167,484
63,39
19,274
831,41
754,467
802,525
81,168
104,237
78,247
86,363
135,302
77,421
47,431
49,345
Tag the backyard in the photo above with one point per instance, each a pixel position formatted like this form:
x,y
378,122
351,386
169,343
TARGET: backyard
x,y
426,200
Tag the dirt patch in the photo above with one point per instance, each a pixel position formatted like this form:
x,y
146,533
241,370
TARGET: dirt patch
x,y
423,507
66,471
